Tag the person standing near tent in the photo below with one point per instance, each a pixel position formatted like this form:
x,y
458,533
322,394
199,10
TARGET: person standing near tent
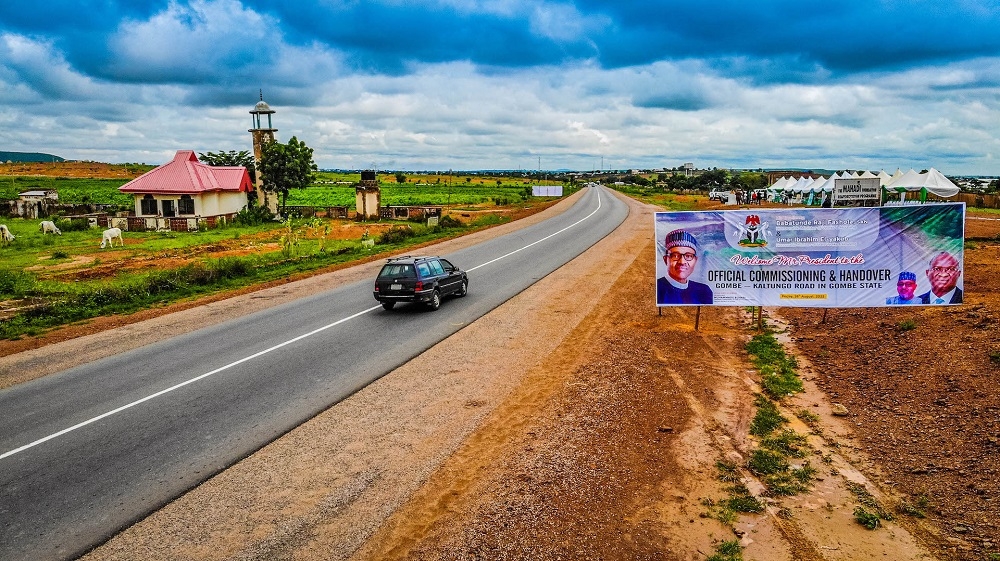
x,y
943,275
681,258
906,286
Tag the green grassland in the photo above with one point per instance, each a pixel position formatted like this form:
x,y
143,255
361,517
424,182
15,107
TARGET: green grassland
x,y
61,279
71,190
329,189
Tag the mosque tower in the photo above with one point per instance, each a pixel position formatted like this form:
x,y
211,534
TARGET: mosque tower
x,y
261,135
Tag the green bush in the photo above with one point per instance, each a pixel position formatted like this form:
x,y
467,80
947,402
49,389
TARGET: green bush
x,y
449,221
396,234
252,216
73,225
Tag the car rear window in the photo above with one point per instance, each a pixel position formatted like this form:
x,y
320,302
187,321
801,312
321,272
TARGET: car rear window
x,y
396,271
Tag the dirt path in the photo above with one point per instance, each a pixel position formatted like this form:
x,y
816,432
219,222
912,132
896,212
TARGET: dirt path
x,y
573,422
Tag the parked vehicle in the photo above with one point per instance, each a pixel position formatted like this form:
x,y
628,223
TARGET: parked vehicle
x,y
721,196
424,279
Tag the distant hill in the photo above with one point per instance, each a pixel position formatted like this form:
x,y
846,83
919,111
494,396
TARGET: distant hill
x,y
20,157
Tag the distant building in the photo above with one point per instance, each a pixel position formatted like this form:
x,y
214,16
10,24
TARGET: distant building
x,y
368,196
187,188
35,204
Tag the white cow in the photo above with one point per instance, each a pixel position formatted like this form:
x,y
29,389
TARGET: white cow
x,y
109,236
5,236
49,227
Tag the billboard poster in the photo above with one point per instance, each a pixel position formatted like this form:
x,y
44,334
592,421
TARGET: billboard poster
x,y
857,191
811,257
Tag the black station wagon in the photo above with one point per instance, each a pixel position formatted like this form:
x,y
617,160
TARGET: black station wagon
x,y
419,279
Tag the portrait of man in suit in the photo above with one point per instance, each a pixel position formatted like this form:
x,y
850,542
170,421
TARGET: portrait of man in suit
x,y
943,275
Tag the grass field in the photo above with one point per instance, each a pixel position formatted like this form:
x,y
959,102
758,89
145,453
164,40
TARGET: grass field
x,y
51,280
329,189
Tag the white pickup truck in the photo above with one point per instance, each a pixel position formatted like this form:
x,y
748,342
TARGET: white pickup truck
x,y
721,196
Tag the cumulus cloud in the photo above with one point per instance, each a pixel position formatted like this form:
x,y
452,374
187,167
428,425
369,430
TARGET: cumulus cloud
x,y
467,84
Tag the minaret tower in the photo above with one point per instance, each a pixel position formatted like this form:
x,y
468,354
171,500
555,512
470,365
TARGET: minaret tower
x,y
261,135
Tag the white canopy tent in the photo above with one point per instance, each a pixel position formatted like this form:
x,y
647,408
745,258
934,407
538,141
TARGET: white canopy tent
x,y
933,182
780,184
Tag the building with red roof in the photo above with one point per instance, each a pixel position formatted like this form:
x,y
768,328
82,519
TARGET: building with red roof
x,y
187,188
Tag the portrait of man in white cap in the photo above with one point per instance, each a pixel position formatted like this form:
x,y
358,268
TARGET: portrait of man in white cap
x,y
906,286
681,258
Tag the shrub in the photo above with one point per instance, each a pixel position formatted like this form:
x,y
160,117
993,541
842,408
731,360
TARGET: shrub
x,y
73,225
396,234
252,215
449,221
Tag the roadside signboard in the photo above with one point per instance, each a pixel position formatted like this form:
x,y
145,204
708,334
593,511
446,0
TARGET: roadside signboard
x,y
546,191
857,192
811,257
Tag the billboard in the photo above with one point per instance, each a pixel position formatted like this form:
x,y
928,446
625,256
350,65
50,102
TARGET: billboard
x,y
811,257
857,191
546,191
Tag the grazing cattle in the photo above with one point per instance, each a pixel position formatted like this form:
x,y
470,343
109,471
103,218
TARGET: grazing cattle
x,y
5,236
109,236
49,227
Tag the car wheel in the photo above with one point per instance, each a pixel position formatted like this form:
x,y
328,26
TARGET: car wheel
x,y
435,302
388,305
464,289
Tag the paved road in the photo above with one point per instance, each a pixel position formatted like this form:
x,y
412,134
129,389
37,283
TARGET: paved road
x,y
86,452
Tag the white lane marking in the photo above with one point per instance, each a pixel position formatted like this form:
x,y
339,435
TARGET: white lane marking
x,y
257,354
182,384
543,239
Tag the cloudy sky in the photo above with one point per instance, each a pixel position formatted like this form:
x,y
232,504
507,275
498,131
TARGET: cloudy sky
x,y
512,84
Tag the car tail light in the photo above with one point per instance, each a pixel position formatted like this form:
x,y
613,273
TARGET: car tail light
x,y
419,286
376,287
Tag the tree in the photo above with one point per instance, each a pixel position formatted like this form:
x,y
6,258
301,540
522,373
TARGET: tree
x,y
231,158
400,178
286,166
747,180
713,178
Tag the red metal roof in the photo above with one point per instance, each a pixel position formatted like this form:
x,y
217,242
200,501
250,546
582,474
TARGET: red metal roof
x,y
186,175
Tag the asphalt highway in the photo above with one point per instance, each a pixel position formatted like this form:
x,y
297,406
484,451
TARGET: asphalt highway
x,y
86,452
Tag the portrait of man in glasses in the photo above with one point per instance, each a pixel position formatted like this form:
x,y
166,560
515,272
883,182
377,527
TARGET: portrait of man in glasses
x,y
681,258
943,275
